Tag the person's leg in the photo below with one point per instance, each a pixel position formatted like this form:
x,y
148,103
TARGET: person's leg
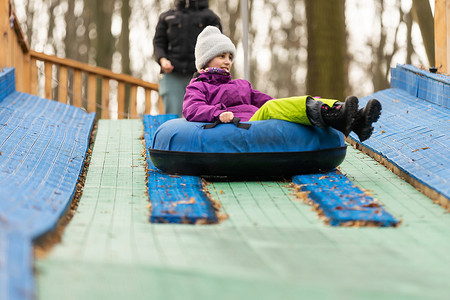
x,y
341,115
163,89
292,109
172,88
306,110
314,110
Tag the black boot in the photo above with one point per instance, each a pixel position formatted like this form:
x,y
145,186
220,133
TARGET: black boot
x,y
341,115
364,119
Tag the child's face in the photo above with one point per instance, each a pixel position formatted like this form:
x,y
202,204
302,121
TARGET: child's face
x,y
222,61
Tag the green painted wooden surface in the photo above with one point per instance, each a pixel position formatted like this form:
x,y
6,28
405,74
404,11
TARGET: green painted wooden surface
x,y
271,247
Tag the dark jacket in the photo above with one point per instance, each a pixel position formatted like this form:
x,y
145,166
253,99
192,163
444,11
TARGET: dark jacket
x,y
213,92
177,31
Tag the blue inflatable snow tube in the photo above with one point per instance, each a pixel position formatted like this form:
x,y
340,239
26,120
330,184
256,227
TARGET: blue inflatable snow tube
x,y
266,148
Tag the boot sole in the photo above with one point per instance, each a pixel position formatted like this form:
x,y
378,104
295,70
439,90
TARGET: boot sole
x,y
351,104
372,113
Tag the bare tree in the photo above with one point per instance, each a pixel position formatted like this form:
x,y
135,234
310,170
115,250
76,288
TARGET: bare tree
x,y
327,51
409,46
304,42
421,11
103,40
124,40
29,21
71,49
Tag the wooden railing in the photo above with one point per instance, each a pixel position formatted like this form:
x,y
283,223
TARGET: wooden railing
x,y
95,89
442,35
91,88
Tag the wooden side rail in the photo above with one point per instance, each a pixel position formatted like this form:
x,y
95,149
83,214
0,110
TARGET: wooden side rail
x,y
442,35
92,88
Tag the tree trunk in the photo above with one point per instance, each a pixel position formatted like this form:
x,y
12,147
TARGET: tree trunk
x,y
124,40
422,14
327,40
409,45
29,21
104,40
379,80
70,38
124,47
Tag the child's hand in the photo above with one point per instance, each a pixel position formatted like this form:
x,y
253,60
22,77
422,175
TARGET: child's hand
x,y
226,117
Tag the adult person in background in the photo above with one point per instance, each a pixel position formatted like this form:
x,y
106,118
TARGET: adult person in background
x,y
174,43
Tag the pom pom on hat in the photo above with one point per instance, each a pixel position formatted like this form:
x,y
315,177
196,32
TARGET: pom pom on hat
x,y
210,43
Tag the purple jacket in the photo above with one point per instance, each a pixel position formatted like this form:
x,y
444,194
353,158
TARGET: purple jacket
x,y
213,92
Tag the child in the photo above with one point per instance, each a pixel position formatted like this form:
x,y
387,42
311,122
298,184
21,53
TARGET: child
x,y
212,95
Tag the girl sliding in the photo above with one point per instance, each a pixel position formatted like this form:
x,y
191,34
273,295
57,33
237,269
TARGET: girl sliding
x,y
212,95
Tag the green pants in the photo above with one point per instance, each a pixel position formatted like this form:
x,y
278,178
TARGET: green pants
x,y
172,88
292,109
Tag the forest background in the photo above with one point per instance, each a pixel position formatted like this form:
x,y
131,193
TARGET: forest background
x,y
328,48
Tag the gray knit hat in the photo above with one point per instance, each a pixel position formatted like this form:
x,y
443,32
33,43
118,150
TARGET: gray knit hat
x,y
210,43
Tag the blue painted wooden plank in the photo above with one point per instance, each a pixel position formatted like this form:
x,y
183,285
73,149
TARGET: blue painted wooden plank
x,y
423,72
29,158
419,150
16,279
43,145
7,82
434,88
341,201
412,132
174,198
